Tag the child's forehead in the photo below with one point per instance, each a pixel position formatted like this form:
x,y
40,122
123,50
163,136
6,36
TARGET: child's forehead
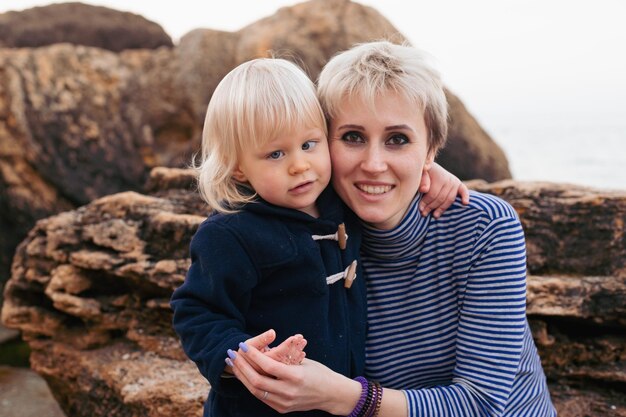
x,y
294,134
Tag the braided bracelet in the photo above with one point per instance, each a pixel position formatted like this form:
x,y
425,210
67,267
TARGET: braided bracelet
x,y
379,399
364,391
370,400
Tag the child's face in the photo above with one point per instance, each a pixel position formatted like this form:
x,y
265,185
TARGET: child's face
x,y
290,171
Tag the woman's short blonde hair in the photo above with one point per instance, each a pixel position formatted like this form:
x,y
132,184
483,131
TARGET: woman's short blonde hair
x,y
253,104
370,69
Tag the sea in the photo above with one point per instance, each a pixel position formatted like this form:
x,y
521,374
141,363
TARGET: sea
x,y
566,148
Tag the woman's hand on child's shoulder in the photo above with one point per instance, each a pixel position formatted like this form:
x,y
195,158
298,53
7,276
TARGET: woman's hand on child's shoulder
x,y
440,188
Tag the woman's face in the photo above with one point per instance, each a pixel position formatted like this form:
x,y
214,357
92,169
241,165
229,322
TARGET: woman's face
x,y
378,156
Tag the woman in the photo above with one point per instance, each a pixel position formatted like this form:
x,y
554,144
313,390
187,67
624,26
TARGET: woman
x,y
447,329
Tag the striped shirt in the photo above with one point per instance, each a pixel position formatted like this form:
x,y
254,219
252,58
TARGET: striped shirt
x,y
447,313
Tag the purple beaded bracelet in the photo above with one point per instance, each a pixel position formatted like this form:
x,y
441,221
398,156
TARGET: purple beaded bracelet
x,y
359,405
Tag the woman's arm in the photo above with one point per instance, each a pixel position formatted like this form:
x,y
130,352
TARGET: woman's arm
x,y
309,386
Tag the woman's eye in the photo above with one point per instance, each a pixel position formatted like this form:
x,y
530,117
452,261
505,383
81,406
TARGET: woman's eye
x,y
275,155
397,140
309,144
352,137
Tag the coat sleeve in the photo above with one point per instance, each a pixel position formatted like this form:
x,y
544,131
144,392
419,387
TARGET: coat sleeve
x,y
491,329
209,308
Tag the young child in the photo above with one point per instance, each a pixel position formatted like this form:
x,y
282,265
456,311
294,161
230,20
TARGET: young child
x,y
276,253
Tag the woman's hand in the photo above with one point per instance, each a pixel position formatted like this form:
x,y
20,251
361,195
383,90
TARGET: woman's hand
x,y
287,388
440,189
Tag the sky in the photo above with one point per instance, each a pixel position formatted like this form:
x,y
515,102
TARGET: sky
x,y
510,61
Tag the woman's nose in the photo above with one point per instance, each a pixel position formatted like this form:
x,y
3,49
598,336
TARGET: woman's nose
x,y
374,161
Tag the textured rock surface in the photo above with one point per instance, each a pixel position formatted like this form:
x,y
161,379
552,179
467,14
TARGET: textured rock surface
x,y
78,123
89,291
80,24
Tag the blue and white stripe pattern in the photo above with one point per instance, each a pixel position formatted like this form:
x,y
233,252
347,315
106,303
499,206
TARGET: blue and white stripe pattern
x,y
447,313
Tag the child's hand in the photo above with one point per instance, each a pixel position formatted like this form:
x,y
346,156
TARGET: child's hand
x,y
440,189
289,352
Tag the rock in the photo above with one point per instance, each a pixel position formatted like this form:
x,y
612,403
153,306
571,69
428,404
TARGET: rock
x,y
23,393
90,291
128,382
311,32
78,123
469,152
205,57
80,24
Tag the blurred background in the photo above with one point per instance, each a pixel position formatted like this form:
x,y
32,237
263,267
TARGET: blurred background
x,y
545,79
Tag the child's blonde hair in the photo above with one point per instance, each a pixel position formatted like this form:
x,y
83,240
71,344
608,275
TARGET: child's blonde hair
x,y
367,70
254,103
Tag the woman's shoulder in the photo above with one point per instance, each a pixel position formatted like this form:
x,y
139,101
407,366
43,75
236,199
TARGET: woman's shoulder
x,y
487,206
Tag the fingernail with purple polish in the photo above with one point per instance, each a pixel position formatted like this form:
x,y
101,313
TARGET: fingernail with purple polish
x,y
229,362
243,346
231,354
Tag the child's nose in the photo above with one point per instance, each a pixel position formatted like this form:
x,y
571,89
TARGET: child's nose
x,y
298,166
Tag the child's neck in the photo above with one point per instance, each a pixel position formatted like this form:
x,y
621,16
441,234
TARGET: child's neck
x,y
311,211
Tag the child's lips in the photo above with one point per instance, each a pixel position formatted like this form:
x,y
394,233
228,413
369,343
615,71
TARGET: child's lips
x,y
302,188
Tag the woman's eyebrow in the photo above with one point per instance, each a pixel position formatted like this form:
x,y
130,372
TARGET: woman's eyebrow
x,y
399,127
350,126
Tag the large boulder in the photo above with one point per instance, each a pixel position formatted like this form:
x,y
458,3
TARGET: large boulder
x,y
78,123
469,152
90,288
80,24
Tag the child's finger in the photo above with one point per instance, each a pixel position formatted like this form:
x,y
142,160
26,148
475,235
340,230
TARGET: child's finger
x,y
289,351
464,194
424,186
262,340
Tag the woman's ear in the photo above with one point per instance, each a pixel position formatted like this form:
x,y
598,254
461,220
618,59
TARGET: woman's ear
x,y
239,175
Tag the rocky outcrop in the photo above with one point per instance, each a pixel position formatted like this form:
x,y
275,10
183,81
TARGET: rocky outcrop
x,y
470,153
78,123
90,288
80,24
102,310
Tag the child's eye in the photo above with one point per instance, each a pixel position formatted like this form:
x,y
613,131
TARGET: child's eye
x,y
352,137
396,140
275,155
309,144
